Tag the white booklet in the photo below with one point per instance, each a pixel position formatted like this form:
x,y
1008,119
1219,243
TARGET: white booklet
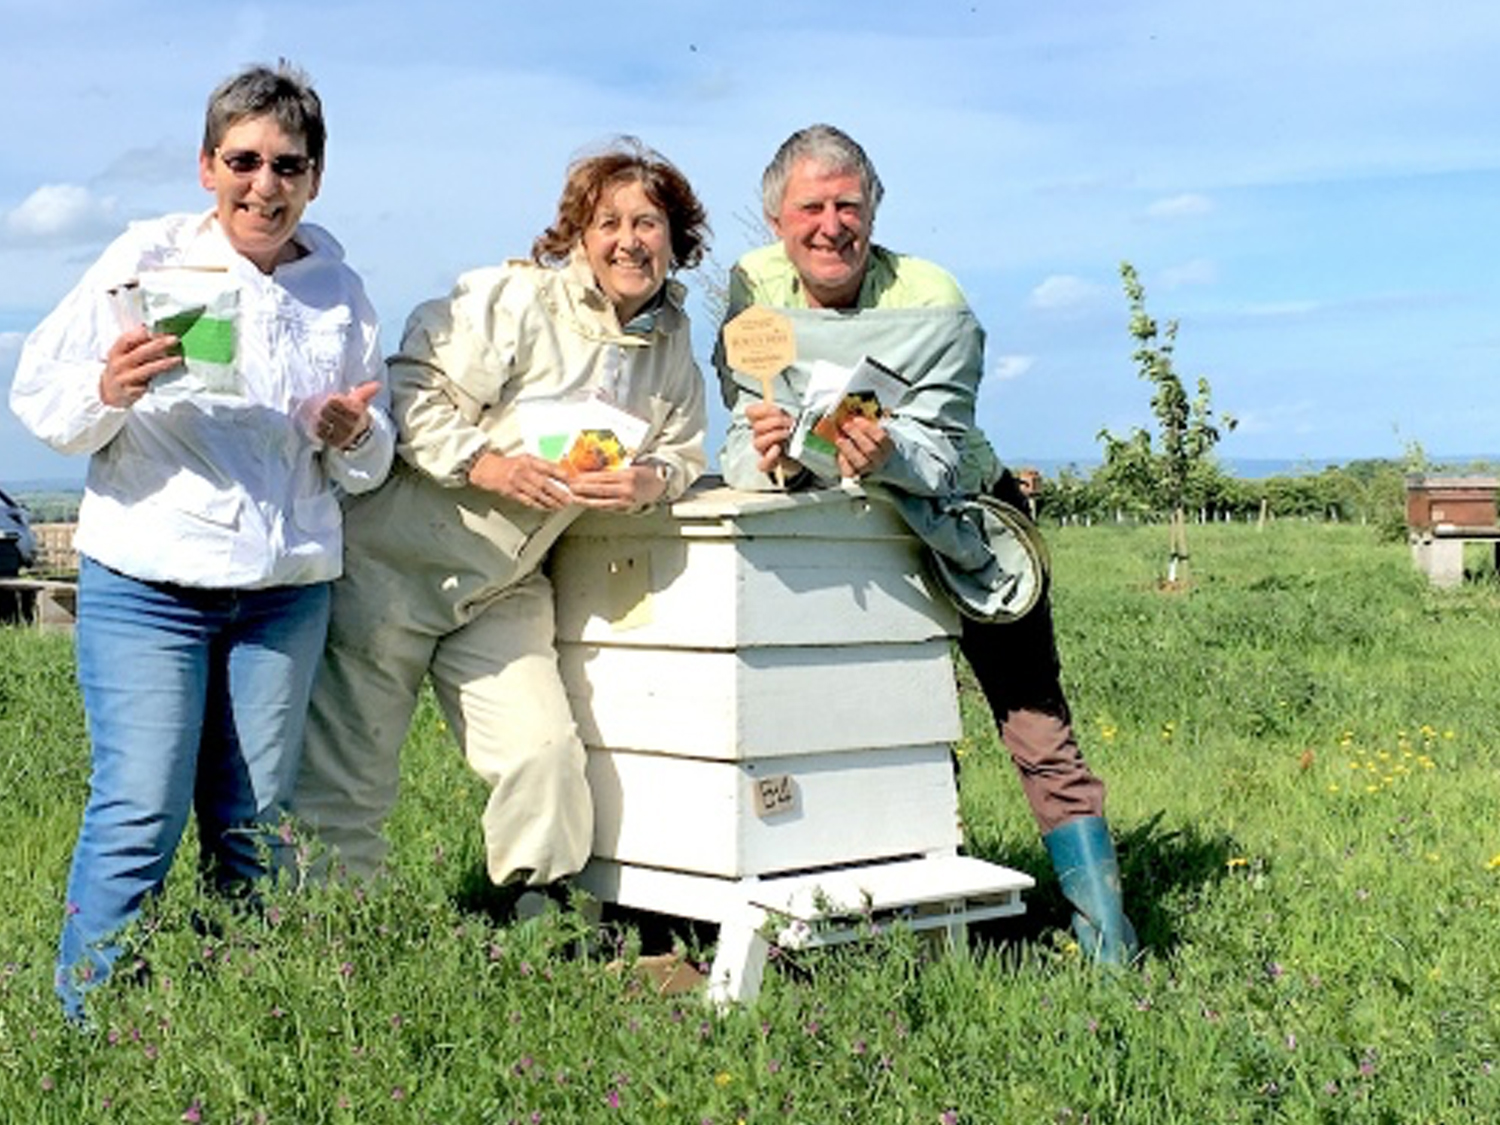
x,y
834,394
584,434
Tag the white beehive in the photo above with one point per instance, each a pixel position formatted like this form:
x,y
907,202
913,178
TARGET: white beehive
x,y
765,685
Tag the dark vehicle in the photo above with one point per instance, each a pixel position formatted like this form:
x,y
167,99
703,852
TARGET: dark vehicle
x,y
17,543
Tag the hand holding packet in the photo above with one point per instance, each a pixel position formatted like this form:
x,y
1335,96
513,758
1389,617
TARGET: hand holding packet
x,y
833,394
200,306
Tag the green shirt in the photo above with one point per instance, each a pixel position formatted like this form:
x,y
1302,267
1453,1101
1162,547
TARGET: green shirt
x,y
892,281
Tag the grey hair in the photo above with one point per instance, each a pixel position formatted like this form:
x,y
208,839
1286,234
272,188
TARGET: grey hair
x,y
829,148
284,94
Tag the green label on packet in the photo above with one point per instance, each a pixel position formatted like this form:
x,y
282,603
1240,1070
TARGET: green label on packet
x,y
203,338
551,447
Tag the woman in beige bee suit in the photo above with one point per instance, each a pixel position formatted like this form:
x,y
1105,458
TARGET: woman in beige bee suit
x,y
442,575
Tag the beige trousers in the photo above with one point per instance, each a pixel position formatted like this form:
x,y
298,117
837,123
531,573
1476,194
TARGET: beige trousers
x,y
497,680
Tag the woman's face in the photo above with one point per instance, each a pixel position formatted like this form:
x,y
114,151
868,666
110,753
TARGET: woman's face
x,y
629,247
259,209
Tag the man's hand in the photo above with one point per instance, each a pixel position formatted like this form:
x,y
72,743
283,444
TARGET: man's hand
x,y
344,418
770,431
618,490
133,361
524,478
863,445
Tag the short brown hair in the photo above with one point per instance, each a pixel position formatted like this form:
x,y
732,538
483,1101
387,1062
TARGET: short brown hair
x,y
626,160
284,94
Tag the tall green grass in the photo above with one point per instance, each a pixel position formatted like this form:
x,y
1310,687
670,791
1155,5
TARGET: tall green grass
x,y
1301,753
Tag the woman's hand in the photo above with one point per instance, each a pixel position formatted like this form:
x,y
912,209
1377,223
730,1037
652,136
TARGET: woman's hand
x,y
619,490
343,419
770,432
524,478
134,359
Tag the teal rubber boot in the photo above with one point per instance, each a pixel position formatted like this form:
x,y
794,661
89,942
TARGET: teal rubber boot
x,y
1083,855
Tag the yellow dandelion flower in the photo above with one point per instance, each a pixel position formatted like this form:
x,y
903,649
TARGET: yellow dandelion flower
x,y
1372,789
1333,787
1383,755
723,1078
1448,734
1434,972
1237,861
1494,863
1428,732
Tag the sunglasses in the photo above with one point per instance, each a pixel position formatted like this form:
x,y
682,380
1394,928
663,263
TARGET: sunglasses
x,y
243,162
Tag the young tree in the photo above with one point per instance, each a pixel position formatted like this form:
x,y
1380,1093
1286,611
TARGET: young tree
x,y
1185,427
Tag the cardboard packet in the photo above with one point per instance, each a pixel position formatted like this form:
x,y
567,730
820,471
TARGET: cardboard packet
x,y
834,394
201,307
582,434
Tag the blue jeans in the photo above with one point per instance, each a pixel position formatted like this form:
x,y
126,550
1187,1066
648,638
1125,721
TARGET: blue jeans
x,y
196,700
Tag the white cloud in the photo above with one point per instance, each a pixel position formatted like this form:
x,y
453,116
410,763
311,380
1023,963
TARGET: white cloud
x,y
1064,292
1199,271
1186,206
1296,417
1012,366
1272,309
165,162
59,215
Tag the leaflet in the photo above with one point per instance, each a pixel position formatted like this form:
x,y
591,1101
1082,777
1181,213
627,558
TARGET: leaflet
x,y
833,395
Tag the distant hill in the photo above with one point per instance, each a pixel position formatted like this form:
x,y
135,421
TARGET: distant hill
x,y
1259,468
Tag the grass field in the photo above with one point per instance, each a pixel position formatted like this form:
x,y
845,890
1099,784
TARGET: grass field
x,y
1302,755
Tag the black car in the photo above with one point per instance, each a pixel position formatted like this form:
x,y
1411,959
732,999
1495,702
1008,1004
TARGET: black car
x,y
17,543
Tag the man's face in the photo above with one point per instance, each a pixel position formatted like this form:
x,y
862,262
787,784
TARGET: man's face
x,y
824,223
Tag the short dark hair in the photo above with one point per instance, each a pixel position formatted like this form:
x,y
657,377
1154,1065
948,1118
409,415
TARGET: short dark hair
x,y
625,160
827,147
285,94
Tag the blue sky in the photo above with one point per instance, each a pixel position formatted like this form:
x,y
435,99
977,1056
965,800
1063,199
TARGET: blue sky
x,y
1308,186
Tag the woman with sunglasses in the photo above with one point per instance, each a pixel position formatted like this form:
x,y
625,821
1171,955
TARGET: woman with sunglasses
x,y
444,567
223,373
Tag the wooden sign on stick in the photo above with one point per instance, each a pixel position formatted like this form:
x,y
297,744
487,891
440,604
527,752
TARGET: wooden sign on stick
x,y
760,342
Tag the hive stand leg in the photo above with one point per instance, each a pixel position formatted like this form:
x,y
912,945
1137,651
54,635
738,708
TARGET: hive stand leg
x,y
957,930
952,937
1445,563
740,961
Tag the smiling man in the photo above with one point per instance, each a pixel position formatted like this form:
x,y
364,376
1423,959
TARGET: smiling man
x,y
848,298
